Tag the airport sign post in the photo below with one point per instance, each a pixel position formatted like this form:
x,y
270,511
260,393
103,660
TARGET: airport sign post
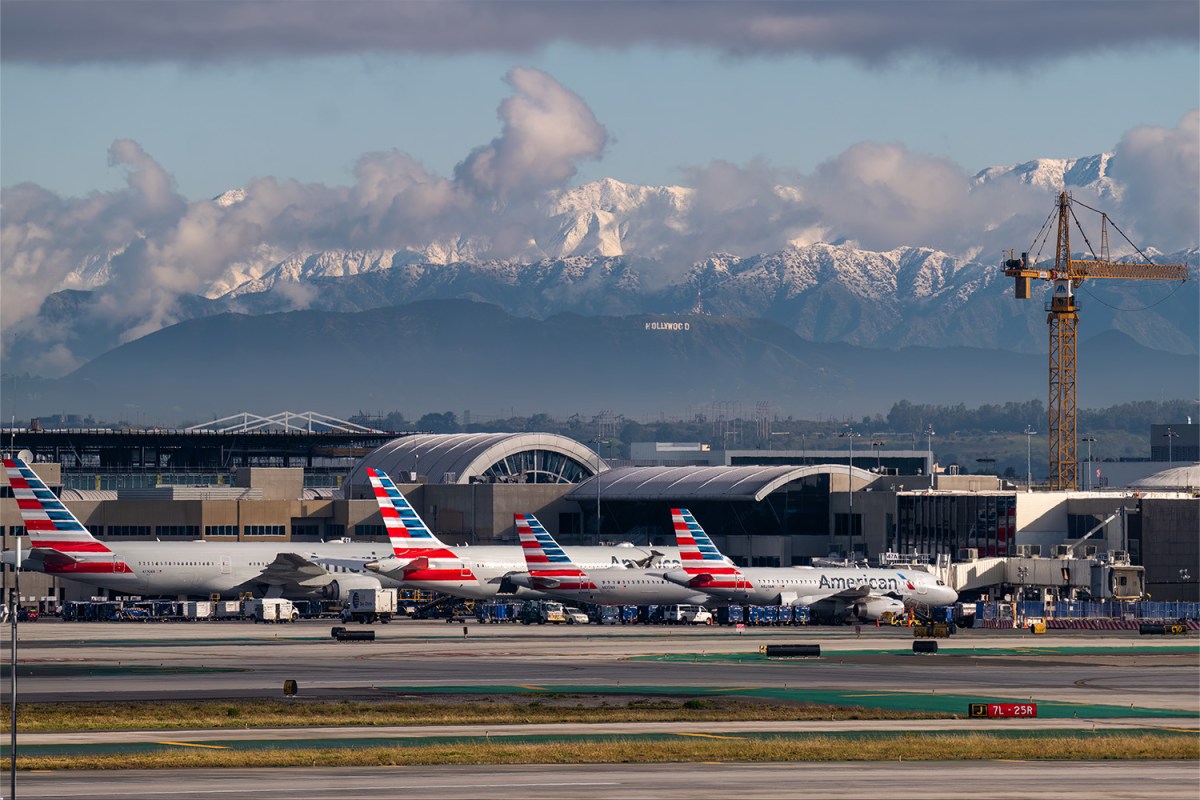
x,y
1002,710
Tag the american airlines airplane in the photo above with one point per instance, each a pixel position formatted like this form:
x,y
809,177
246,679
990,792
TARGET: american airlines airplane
x,y
834,591
551,570
61,545
479,572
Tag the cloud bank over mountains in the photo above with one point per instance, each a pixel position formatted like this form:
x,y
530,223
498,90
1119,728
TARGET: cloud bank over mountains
x,y
989,33
145,246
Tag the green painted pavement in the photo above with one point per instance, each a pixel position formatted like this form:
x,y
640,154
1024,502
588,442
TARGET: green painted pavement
x,y
1031,650
167,744
900,701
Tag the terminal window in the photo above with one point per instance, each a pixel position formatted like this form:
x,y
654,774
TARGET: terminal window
x,y
265,530
189,531
220,530
128,530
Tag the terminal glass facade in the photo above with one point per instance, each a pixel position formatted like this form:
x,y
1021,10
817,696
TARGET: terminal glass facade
x,y
801,508
538,466
936,524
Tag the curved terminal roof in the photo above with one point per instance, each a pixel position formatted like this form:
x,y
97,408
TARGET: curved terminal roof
x,y
702,483
459,457
1179,479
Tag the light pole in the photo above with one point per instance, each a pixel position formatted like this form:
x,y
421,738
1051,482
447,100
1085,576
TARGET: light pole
x,y
776,433
1089,439
598,442
1170,435
1029,434
850,434
875,445
929,433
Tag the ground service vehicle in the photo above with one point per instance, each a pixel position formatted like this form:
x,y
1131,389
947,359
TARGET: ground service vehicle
x,y
687,615
574,615
542,611
370,605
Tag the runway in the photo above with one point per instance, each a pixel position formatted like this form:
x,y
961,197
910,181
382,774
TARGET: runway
x,y
81,661
1081,681
937,780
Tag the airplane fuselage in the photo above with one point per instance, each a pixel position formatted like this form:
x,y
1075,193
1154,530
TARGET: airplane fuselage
x,y
485,572
204,568
810,585
621,586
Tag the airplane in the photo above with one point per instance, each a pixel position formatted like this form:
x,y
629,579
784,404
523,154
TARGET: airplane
x,y
61,545
834,591
479,572
551,570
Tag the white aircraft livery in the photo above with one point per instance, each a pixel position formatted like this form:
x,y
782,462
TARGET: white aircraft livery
x,y
552,571
61,545
838,591
481,572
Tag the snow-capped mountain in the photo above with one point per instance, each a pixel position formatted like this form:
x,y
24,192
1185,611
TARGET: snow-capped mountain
x,y
612,248
1058,174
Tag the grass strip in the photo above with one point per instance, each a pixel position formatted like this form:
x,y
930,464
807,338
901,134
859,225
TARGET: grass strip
x,y
906,747
552,707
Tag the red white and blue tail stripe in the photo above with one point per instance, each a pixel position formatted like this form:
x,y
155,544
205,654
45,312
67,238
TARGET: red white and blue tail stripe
x,y
700,557
405,527
548,564
66,544
430,560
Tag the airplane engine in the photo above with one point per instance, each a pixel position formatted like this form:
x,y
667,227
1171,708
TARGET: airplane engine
x,y
874,607
340,587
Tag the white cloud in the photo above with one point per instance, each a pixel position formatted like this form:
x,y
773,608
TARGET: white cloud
x,y
547,129
1160,169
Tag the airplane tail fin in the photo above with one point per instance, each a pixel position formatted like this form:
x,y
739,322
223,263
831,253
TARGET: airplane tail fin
x,y
50,524
696,550
548,564
405,528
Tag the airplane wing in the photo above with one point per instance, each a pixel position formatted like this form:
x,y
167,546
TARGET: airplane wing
x,y
850,594
44,559
392,564
650,559
294,569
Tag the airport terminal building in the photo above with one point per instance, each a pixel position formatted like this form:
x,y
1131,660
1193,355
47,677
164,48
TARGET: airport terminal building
x,y
468,486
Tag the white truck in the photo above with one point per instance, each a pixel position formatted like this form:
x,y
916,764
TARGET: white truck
x,y
271,609
370,605
687,615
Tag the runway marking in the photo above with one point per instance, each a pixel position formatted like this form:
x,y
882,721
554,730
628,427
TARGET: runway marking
x,y
711,736
206,746
532,688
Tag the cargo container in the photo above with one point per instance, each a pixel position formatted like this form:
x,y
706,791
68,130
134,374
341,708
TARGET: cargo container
x,y
271,609
227,609
729,615
197,609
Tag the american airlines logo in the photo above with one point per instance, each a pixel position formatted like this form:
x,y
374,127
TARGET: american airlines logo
x,y
855,582
668,326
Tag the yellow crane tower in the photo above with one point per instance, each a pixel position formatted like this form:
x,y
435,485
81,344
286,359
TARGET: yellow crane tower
x,y
1063,317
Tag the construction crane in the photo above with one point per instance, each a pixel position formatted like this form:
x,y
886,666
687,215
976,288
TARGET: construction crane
x,y
1069,274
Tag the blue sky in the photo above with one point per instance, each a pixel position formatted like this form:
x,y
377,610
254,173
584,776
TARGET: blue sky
x,y
216,123
449,129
